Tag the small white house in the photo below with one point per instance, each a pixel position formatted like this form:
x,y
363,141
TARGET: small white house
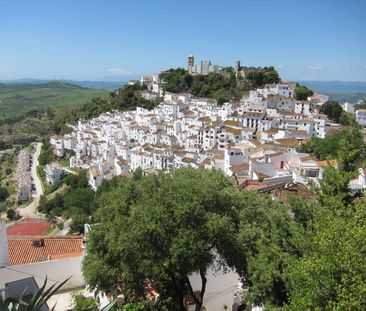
x,y
348,107
53,173
361,116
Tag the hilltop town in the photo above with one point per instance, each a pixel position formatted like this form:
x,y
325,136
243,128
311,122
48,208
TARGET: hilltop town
x,y
232,149
254,140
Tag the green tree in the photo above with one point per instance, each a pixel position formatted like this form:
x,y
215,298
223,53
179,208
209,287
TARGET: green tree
x,y
302,92
333,110
166,227
351,149
77,181
137,174
80,200
78,222
347,146
334,186
10,214
223,86
4,194
331,274
266,241
46,155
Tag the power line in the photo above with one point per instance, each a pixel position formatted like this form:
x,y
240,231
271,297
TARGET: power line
x,y
46,278
222,293
38,276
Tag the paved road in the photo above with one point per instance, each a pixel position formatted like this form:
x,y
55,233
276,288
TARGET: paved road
x,y
30,211
37,181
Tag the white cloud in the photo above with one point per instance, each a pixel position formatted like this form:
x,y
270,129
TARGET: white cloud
x,y
315,67
119,72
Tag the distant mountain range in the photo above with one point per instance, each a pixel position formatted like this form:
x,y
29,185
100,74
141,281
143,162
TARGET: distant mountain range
x,y
350,91
342,91
104,85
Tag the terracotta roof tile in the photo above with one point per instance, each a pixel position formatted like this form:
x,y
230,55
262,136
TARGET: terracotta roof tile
x,y
23,251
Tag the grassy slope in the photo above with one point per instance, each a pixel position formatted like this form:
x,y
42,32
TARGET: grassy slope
x,y
16,99
8,162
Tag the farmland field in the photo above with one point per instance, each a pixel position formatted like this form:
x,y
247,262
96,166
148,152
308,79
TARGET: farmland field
x,y
17,99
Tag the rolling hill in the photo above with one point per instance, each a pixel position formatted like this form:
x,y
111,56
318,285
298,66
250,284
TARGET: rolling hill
x,y
350,91
19,98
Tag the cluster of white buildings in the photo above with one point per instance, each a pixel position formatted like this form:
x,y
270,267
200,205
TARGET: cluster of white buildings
x,y
251,140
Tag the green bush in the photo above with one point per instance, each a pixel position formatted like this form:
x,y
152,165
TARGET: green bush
x,y
302,92
83,303
10,214
4,194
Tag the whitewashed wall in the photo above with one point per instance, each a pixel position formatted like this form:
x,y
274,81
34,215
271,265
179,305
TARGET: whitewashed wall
x,y
54,270
220,289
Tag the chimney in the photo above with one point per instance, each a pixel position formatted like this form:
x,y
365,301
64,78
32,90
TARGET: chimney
x,y
38,243
4,256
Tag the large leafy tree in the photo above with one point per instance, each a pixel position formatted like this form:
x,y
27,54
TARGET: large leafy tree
x,y
351,149
333,110
302,92
162,228
267,238
347,146
331,274
334,187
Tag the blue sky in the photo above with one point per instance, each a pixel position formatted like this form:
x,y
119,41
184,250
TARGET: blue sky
x,y
87,39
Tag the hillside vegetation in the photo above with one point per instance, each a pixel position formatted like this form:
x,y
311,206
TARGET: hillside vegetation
x,y
17,99
40,123
223,86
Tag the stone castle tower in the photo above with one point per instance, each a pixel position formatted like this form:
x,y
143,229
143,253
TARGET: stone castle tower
x,y
190,63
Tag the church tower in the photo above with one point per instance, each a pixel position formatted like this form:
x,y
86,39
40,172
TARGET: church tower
x,y
190,63
237,66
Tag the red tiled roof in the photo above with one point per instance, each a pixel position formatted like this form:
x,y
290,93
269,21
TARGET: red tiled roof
x,y
22,251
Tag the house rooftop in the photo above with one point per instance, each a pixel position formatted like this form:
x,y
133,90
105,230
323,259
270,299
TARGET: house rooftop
x,y
26,250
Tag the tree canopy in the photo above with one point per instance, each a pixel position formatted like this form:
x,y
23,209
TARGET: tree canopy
x,y
162,228
4,194
46,155
223,86
330,275
347,146
302,92
335,113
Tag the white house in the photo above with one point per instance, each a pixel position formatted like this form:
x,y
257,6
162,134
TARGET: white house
x,y
348,107
361,116
53,173
54,258
233,156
